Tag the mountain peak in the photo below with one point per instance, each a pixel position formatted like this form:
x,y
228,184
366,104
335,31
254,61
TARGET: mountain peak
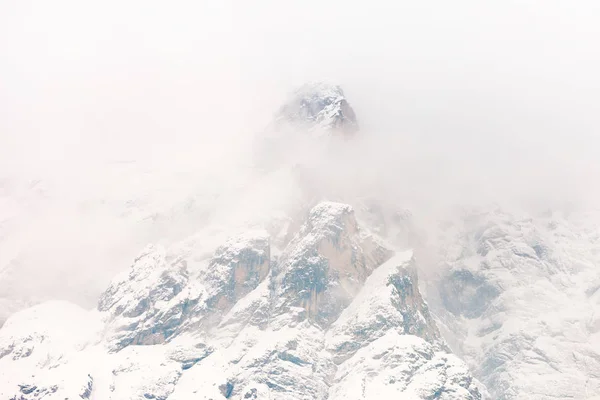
x,y
320,106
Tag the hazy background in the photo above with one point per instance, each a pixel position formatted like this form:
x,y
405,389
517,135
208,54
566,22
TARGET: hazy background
x,y
123,122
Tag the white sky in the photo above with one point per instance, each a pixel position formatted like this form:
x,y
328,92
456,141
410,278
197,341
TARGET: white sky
x,y
75,74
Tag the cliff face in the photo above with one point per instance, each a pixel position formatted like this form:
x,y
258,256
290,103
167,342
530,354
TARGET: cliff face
x,y
336,309
326,263
518,300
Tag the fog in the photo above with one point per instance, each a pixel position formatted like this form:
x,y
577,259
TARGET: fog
x,y
124,122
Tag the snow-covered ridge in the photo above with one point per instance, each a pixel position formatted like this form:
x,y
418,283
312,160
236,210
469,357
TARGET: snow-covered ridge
x,y
242,326
315,118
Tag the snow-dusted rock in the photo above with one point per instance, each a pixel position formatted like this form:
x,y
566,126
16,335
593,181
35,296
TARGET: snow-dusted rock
x,y
158,297
326,264
315,119
236,269
518,300
386,343
389,300
319,106
147,303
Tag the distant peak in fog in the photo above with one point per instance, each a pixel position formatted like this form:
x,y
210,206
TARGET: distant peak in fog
x,y
321,107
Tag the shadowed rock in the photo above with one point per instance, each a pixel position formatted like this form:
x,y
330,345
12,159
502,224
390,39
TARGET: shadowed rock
x,y
326,263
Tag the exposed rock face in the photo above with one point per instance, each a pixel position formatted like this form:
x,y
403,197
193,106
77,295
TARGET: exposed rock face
x,y
332,319
315,116
145,305
515,303
407,299
319,106
299,353
389,300
326,264
237,268
156,298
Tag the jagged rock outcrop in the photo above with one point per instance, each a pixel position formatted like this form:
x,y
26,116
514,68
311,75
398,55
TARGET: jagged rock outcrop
x,y
157,299
315,116
319,107
326,315
237,268
146,304
326,264
395,366
389,300
513,302
300,354
388,328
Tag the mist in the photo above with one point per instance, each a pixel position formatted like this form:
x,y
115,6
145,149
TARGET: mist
x,y
123,123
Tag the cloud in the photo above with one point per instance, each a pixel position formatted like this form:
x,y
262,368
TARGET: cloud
x,y
125,107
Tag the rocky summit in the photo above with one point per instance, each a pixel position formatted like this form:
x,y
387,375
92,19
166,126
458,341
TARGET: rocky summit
x,y
319,107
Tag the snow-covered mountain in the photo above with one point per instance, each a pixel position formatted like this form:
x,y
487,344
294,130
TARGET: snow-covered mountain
x,y
335,315
518,297
318,107
294,286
